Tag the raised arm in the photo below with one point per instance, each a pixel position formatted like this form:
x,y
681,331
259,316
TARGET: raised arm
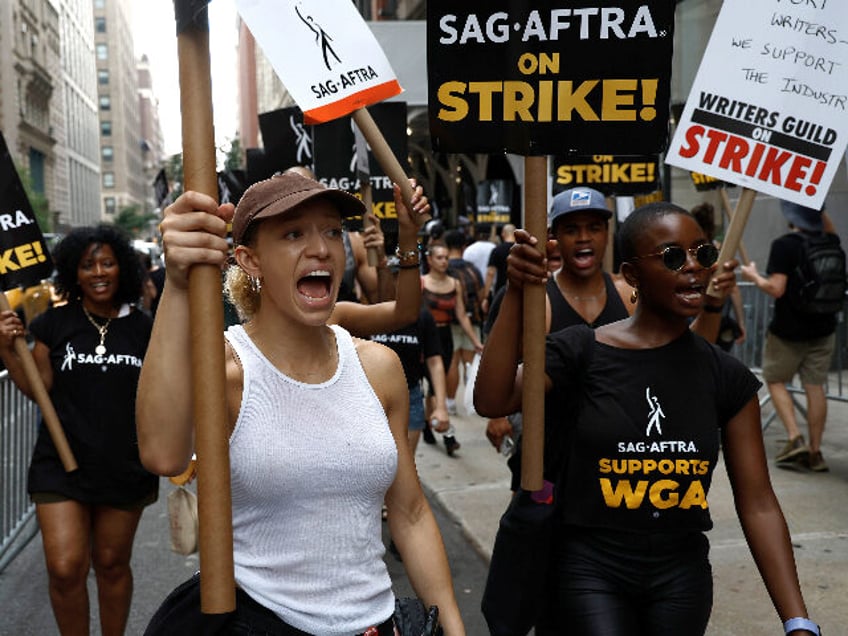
x,y
193,232
497,390
707,323
364,320
774,284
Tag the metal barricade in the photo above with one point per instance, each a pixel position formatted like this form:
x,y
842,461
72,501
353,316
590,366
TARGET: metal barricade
x,y
758,311
18,430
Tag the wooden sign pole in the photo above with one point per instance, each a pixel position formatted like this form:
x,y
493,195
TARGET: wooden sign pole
x,y
725,204
733,236
42,398
217,583
384,155
533,390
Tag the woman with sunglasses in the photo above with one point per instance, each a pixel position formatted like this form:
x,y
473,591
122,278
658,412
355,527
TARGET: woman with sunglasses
x,y
644,405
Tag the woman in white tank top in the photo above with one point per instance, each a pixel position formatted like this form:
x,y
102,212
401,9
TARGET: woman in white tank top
x,y
318,419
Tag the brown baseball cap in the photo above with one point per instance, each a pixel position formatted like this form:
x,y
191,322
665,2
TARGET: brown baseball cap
x,y
283,193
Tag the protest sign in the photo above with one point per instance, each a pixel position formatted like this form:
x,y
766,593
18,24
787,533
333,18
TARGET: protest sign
x,y
286,139
24,256
767,107
337,156
494,203
24,262
621,175
161,189
331,63
705,183
537,78
324,53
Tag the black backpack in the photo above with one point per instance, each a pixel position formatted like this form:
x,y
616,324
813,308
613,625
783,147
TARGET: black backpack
x,y
818,284
472,287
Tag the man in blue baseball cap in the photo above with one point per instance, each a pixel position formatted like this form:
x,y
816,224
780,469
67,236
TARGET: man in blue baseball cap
x,y
580,292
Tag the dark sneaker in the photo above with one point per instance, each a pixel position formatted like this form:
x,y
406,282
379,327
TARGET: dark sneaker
x,y
451,445
800,464
817,463
794,450
427,434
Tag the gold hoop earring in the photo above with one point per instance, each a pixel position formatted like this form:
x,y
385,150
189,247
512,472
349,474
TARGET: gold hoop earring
x,y
634,296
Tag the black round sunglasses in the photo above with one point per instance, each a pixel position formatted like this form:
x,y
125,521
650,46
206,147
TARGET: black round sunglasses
x,y
674,256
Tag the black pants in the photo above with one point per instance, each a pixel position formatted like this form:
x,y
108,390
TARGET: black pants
x,y
625,584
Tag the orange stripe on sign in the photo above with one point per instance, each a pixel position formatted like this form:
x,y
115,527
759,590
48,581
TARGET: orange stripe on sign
x,y
351,103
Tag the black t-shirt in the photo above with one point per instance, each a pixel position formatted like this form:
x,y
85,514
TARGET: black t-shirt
x,y
94,398
414,344
788,323
643,427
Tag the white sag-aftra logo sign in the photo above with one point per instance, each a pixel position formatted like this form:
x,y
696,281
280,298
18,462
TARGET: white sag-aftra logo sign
x,y
323,52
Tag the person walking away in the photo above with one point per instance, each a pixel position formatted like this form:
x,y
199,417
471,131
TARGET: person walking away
x,y
800,339
299,390
472,285
496,267
443,296
417,345
631,554
88,352
478,252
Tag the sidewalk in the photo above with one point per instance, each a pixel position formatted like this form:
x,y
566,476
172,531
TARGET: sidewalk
x,y
474,489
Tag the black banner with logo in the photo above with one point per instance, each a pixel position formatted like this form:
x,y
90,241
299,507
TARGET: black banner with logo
x,y
161,189
706,183
539,78
494,202
286,139
612,175
24,256
336,160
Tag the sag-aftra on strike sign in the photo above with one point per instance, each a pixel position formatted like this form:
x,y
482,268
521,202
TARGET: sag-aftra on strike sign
x,y
549,77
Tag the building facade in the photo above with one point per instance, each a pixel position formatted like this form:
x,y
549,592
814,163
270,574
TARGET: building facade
x,y
152,141
79,170
122,179
31,108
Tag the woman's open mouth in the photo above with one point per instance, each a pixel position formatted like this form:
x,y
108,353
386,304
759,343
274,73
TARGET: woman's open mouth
x,y
316,285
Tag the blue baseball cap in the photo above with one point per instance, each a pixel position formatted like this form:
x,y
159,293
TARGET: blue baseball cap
x,y
577,200
803,218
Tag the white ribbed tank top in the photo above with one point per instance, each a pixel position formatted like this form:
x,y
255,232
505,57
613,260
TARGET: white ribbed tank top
x,y
310,466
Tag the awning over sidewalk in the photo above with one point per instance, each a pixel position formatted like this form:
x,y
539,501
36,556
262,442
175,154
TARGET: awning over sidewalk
x,y
405,45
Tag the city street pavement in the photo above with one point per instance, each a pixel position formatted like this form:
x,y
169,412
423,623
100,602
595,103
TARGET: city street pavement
x,y
469,492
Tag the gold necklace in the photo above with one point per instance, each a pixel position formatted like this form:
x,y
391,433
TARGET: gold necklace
x,y
102,329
